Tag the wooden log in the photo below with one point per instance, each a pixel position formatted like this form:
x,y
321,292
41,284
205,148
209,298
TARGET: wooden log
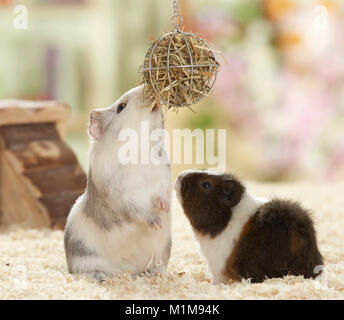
x,y
66,178
17,203
40,177
25,181
59,203
42,155
35,146
48,207
17,136
39,198
14,112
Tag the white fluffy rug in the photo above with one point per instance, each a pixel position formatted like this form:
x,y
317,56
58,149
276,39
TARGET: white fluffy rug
x,y
32,262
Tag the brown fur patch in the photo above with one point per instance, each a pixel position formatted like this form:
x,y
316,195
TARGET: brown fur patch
x,y
296,242
280,240
209,209
230,270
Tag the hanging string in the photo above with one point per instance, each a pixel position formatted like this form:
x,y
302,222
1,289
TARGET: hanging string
x,y
176,19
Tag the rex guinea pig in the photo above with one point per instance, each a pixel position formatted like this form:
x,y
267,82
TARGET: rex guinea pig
x,y
246,237
121,223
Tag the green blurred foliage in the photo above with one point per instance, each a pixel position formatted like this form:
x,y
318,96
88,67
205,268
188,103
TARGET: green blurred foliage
x,y
247,11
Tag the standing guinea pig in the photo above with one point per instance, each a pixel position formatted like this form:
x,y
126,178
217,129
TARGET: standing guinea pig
x,y
246,237
122,222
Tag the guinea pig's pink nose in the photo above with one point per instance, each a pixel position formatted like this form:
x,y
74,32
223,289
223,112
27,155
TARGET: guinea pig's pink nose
x,y
95,114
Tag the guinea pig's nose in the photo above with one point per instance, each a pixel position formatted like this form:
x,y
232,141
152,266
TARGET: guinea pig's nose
x,y
95,114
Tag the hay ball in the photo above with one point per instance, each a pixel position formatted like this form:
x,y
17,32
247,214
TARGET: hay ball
x,y
179,69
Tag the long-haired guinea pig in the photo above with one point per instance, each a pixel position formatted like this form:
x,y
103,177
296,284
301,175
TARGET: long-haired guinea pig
x,y
246,237
121,222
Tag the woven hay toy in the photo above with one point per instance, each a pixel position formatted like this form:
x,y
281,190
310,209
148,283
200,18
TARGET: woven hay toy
x,y
180,68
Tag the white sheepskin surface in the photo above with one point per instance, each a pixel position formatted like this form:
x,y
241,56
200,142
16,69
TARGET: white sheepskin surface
x,y
33,266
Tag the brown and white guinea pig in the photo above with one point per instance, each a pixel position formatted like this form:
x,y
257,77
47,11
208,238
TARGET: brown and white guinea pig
x,y
246,237
121,222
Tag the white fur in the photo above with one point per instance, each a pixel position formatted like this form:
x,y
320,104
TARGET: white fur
x,y
130,247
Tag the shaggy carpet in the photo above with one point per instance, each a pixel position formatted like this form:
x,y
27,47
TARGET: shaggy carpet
x,y
33,266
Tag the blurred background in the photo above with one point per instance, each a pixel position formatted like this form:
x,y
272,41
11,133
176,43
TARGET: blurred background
x,y
280,93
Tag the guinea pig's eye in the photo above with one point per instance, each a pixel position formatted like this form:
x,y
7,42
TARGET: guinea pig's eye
x,y
120,107
206,185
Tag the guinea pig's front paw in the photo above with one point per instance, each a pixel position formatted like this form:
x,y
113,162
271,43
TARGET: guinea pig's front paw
x,y
154,222
99,276
161,205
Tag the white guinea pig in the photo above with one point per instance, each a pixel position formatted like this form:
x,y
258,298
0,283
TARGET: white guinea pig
x,y
122,222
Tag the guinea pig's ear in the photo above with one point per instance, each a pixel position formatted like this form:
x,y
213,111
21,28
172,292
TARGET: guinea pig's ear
x,y
95,129
232,192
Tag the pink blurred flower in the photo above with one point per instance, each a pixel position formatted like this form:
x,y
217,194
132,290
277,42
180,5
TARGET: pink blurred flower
x,y
232,93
